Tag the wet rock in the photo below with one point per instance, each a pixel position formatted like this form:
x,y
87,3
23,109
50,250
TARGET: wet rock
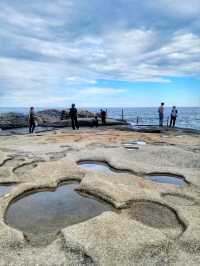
x,y
158,216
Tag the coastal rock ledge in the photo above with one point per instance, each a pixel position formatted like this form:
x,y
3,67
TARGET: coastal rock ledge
x,y
148,222
49,118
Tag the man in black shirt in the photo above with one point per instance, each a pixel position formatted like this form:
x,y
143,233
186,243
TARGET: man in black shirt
x,y
103,117
31,120
73,116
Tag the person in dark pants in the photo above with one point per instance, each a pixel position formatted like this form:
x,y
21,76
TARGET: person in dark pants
x,y
174,113
103,117
31,120
73,116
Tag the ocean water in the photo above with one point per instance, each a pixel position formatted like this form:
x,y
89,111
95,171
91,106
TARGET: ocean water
x,y
188,117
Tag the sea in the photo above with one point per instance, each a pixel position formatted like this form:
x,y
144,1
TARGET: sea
x,y
188,117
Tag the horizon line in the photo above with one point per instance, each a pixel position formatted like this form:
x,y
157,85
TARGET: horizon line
x,y
122,107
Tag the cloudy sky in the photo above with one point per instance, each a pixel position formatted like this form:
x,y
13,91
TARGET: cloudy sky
x,y
99,52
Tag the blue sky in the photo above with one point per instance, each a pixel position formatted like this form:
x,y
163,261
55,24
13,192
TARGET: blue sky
x,y
99,53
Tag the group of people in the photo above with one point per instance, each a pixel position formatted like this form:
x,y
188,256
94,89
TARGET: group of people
x,y
73,114
102,115
173,115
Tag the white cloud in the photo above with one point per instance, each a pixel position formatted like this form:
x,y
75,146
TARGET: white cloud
x,y
96,91
62,48
126,55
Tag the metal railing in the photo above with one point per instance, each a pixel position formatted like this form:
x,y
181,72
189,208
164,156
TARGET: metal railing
x,y
139,120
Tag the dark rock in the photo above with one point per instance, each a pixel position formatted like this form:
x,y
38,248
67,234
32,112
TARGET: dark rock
x,y
13,120
46,118
51,118
55,116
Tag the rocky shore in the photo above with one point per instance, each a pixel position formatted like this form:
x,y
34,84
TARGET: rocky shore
x,y
49,118
147,222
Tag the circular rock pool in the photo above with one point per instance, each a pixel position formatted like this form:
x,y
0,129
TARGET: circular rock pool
x,y
96,166
44,212
158,216
99,166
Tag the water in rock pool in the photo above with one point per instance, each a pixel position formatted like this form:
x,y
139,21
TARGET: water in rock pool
x,y
4,189
44,212
158,216
96,166
167,179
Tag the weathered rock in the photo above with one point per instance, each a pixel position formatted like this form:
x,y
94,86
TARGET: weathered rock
x,y
150,223
112,239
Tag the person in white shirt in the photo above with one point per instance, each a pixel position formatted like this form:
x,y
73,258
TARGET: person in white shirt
x,y
161,114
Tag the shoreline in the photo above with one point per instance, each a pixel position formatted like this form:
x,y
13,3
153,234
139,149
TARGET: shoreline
x,y
187,118
114,124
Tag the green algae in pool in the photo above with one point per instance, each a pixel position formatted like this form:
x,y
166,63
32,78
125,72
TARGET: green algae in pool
x,y
167,179
44,212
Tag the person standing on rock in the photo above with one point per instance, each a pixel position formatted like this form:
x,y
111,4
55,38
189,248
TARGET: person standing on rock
x,y
103,117
31,120
63,115
95,121
161,114
174,113
73,116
